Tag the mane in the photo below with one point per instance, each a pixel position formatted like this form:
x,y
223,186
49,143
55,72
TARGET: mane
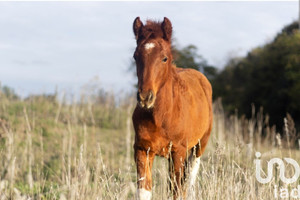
x,y
151,30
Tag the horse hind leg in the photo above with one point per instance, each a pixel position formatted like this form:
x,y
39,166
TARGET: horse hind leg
x,y
193,165
194,169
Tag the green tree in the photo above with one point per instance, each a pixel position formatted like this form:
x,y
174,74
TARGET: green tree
x,y
8,92
268,76
188,57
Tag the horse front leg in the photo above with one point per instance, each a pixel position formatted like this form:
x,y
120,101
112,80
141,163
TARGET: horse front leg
x,y
176,170
144,160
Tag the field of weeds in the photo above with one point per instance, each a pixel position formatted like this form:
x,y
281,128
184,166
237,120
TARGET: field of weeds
x,y
50,149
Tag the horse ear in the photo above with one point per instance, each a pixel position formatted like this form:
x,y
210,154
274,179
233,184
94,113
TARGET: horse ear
x,y
137,25
167,29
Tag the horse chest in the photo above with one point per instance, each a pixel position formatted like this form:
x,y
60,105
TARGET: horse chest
x,y
158,139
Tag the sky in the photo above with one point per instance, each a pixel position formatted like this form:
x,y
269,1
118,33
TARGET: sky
x,y
66,45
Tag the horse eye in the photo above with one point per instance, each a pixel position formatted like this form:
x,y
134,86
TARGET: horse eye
x,y
165,59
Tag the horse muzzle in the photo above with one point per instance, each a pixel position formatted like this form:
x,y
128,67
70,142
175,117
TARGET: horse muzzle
x,y
146,100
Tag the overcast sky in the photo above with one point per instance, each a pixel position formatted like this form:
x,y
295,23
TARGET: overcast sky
x,y
67,44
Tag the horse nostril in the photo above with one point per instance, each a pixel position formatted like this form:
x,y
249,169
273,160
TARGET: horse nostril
x,y
150,96
138,96
141,97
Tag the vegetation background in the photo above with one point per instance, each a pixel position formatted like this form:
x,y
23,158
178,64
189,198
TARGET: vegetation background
x,y
51,148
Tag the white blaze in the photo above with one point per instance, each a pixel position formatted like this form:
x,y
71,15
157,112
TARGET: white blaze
x,y
149,45
143,194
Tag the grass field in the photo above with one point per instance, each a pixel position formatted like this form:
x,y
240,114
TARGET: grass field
x,y
83,150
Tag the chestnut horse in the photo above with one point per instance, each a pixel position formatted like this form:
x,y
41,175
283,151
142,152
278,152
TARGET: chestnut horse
x,y
173,116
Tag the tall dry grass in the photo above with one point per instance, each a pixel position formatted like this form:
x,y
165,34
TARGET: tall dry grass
x,y
51,149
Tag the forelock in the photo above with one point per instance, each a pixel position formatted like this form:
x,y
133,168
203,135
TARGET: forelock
x,y
151,30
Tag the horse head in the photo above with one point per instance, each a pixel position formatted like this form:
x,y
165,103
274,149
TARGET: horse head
x,y
153,58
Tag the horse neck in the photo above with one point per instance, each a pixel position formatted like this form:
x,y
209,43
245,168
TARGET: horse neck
x,y
164,98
